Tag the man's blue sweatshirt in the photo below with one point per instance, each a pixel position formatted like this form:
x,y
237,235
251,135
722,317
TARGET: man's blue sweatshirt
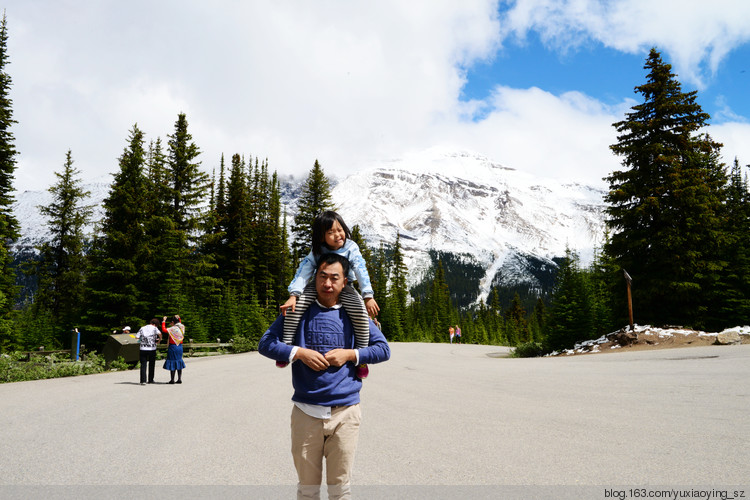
x,y
323,329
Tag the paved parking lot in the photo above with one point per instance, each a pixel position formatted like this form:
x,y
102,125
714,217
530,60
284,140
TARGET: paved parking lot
x,y
435,414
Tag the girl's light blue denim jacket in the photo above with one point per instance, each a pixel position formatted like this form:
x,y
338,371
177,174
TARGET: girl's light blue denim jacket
x,y
357,270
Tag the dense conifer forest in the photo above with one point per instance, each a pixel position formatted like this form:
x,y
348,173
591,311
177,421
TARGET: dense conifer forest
x,y
215,247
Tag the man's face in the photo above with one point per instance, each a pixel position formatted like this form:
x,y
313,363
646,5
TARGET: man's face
x,y
329,281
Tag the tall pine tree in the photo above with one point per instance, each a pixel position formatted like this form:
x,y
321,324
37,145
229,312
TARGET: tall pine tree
x,y
663,207
8,222
314,199
118,294
731,300
276,253
516,325
237,253
186,198
62,267
570,314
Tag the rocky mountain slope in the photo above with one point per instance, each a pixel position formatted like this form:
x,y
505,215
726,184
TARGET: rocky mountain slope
x,y
509,223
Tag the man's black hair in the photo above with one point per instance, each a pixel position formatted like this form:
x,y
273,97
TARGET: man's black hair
x,y
332,258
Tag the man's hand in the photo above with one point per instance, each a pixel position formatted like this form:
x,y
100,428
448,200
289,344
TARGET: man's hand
x,y
311,358
339,357
290,302
372,307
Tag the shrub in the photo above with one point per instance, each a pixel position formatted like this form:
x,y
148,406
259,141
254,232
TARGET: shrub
x,y
118,364
14,368
243,344
527,350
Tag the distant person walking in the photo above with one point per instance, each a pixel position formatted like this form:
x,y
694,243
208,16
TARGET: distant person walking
x,y
149,335
174,362
458,334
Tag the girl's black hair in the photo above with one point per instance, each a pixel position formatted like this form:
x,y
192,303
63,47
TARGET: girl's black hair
x,y
322,223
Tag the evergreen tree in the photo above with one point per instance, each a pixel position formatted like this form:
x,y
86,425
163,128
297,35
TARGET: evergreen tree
x,y
158,177
117,293
314,199
265,205
398,292
570,318
438,308
188,188
379,278
538,321
480,331
364,249
237,254
62,269
606,285
663,208
214,236
8,223
156,270
221,197
516,325
285,274
731,301
277,250
494,319
188,184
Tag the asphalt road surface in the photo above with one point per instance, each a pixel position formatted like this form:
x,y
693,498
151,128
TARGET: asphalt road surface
x,y
439,420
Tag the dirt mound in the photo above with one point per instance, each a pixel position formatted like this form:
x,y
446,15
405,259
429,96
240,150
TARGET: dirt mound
x,y
648,337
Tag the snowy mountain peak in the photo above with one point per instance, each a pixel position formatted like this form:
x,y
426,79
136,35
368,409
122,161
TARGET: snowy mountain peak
x,y
464,203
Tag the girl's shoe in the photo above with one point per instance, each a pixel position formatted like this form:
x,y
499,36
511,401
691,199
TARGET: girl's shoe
x,y
282,364
362,371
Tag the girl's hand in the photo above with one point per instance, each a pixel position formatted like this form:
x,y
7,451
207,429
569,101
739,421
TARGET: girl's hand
x,y
372,307
290,302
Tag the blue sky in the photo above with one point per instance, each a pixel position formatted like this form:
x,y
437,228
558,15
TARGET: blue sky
x,y
532,84
607,75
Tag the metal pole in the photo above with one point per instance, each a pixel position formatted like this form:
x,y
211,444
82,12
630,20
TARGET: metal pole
x,y
75,349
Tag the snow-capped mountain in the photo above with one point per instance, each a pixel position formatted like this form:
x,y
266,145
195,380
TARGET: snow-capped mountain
x,y
487,215
467,204
33,223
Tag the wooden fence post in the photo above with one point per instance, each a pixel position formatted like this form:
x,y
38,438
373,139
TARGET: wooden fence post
x,y
629,282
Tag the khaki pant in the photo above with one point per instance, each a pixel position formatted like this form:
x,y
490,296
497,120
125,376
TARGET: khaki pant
x,y
334,439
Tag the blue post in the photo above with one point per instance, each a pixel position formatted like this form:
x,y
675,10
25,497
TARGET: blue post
x,y
76,347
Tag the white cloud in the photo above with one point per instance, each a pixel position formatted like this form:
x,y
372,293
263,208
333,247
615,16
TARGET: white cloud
x,y
292,81
340,81
697,35
734,137
565,137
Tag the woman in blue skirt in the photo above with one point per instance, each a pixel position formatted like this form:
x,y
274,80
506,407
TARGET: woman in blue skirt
x,y
174,362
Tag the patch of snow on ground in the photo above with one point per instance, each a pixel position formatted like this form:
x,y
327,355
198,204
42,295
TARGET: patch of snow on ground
x,y
590,346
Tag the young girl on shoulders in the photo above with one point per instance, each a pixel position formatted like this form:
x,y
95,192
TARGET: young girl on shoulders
x,y
331,234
